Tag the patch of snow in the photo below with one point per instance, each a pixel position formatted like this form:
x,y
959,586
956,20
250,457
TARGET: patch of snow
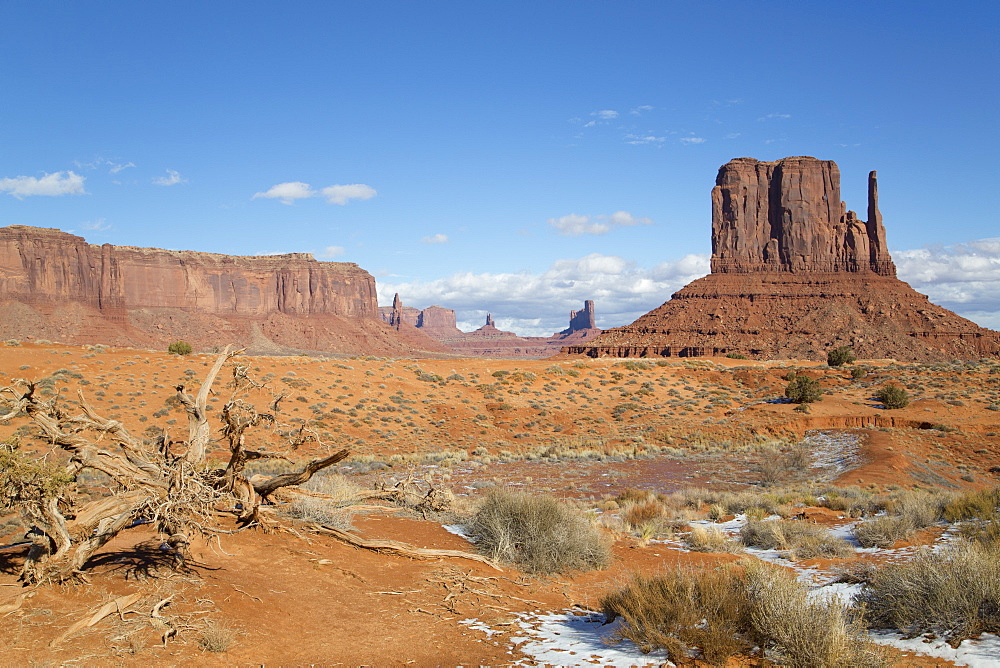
x,y
477,625
833,451
982,652
458,530
575,639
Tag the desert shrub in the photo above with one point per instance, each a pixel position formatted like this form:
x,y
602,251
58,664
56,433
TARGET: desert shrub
x,y
736,356
920,509
803,631
858,372
803,390
539,534
981,504
954,593
712,539
841,356
312,509
882,531
713,615
338,489
179,348
893,396
852,501
216,637
683,612
644,513
804,539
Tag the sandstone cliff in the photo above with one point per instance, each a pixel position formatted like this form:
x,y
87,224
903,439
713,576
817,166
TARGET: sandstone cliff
x,y
55,285
794,274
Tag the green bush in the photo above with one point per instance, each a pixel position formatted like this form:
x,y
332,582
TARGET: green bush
x,y
179,348
803,390
840,356
858,372
893,396
736,356
539,534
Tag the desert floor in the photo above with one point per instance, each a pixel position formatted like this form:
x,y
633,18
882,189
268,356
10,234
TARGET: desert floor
x,y
580,429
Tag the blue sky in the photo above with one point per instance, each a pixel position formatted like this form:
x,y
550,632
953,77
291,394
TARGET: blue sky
x,y
511,157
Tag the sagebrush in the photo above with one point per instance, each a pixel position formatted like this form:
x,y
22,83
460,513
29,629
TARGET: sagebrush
x,y
539,534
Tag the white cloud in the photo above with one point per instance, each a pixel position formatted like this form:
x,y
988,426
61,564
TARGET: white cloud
x,y
50,185
116,167
290,191
287,192
172,178
539,304
641,108
963,277
113,167
769,117
692,140
332,251
605,114
338,194
575,225
644,139
99,225
435,239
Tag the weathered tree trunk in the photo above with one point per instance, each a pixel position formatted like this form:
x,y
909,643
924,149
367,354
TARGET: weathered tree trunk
x,y
156,485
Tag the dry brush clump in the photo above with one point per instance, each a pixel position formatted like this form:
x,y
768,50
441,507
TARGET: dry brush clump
x,y
747,608
538,534
953,593
802,539
906,513
712,539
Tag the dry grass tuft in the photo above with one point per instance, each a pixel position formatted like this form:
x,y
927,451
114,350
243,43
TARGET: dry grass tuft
x,y
712,539
216,637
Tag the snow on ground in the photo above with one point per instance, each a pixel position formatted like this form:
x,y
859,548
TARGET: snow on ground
x,y
458,530
983,652
833,451
571,638
574,639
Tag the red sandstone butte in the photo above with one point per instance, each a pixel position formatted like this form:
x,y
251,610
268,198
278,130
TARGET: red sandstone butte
x,y
489,341
795,274
54,285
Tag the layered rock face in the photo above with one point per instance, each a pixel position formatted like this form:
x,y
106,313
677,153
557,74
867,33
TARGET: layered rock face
x,y
488,341
787,215
794,274
55,285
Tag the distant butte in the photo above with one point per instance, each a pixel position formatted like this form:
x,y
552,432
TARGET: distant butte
x,y
489,341
795,274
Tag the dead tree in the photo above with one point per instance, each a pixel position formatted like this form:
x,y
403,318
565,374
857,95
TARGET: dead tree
x,y
162,482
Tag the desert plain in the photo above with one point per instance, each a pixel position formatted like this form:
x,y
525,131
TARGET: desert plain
x,y
652,451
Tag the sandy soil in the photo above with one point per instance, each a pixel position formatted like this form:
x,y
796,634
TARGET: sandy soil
x,y
585,429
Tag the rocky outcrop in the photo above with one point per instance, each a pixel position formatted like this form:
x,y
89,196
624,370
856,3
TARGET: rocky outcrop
x,y
60,287
794,274
489,341
787,216
582,320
